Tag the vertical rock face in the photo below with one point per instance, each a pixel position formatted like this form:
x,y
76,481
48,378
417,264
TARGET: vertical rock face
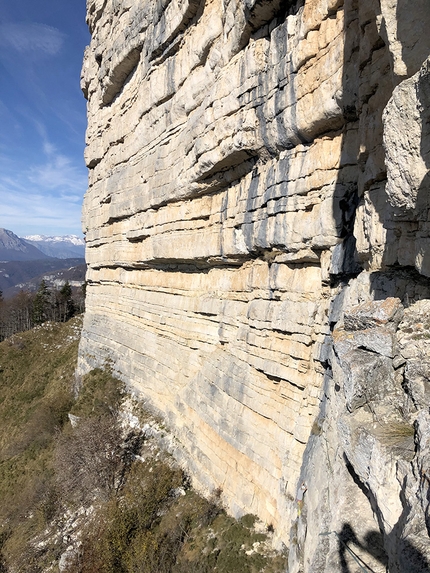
x,y
257,226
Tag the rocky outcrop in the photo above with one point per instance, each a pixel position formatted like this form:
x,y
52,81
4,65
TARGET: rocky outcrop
x,y
370,444
257,227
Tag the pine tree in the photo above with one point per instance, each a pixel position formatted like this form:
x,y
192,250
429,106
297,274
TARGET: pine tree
x,y
67,305
41,304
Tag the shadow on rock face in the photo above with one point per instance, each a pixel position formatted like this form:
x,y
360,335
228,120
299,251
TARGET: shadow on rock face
x,y
350,546
352,553
413,22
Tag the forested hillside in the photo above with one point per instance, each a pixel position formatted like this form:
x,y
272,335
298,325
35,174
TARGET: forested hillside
x,y
28,309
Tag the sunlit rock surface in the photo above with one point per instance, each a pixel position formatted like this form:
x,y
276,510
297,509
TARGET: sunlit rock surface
x,y
257,227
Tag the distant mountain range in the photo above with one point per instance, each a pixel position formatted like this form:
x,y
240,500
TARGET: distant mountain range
x,y
12,248
65,247
24,262
35,247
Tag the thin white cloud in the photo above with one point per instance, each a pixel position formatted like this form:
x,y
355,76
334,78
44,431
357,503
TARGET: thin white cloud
x,y
30,38
58,173
48,148
45,197
26,212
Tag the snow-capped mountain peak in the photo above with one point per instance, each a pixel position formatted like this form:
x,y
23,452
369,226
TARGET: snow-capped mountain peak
x,y
59,246
73,239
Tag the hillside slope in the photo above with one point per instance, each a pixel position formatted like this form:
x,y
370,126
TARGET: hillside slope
x,y
100,494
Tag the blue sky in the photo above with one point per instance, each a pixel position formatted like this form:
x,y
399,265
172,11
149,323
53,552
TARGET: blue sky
x,y
42,116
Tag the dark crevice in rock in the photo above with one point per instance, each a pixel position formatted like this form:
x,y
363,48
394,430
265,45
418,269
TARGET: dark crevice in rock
x,y
171,50
344,261
138,237
177,265
357,479
229,169
405,283
94,162
120,75
167,98
379,44
274,379
203,313
161,7
348,207
367,349
261,12
230,162
190,18
97,16
115,219
201,264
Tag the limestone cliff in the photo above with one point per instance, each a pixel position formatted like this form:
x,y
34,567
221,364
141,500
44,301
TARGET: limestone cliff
x,y
257,227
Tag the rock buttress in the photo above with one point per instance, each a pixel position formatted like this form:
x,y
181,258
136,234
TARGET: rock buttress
x,y
246,162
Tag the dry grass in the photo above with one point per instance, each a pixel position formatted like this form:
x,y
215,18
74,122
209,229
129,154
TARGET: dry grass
x,y
399,437
36,378
146,517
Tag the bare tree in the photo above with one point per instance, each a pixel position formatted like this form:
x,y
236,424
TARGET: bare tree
x,y
90,459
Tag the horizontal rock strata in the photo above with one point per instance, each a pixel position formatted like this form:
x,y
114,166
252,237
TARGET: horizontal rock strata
x,y
257,227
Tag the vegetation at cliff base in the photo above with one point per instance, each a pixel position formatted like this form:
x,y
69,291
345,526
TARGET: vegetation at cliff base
x,y
83,491
36,381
